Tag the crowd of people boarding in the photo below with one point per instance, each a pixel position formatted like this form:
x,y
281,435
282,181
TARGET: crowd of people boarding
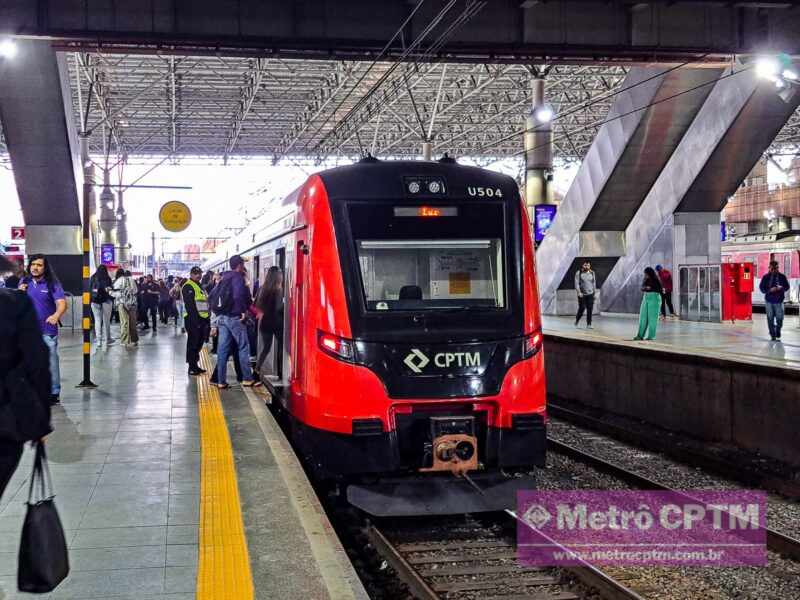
x,y
227,310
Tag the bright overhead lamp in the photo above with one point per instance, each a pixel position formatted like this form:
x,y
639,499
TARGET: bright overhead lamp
x,y
8,49
768,67
543,114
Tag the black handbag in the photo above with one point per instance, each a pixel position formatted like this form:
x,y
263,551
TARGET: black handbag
x,y
24,416
43,558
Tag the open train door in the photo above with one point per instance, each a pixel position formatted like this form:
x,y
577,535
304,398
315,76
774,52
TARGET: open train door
x,y
296,316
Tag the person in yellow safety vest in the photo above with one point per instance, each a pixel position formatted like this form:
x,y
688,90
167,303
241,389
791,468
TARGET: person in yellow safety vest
x,y
196,319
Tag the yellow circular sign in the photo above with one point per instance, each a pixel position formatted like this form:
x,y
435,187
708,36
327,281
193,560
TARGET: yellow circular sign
x,y
175,216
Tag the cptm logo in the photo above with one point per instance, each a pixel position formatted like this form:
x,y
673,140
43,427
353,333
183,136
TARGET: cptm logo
x,y
416,360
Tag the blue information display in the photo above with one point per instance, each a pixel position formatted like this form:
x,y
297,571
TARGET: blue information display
x,y
107,254
543,215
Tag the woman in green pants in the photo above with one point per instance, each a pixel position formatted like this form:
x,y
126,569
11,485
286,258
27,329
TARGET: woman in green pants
x,y
651,305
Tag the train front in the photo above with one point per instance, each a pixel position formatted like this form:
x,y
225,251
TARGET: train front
x,y
441,374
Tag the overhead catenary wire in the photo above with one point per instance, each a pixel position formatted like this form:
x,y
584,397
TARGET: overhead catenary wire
x,y
472,9
374,62
591,103
582,107
616,117
365,98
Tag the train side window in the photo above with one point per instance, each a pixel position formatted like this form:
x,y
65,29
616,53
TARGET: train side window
x,y
787,264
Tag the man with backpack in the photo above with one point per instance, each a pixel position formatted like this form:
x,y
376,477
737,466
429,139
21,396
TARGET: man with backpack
x,y
230,301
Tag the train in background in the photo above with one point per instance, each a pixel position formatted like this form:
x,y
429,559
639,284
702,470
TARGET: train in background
x,y
760,249
411,368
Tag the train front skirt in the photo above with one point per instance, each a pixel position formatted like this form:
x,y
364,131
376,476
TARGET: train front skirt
x,y
439,494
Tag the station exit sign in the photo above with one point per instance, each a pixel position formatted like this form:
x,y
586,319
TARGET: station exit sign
x,y
17,234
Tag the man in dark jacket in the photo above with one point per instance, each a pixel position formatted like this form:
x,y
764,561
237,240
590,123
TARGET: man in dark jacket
x,y
665,277
196,319
230,321
774,286
23,345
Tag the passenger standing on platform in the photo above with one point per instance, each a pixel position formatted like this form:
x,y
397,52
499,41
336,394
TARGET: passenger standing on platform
x,y
133,308
270,302
237,367
24,349
12,281
231,301
665,277
150,298
651,303
213,280
164,302
117,310
196,321
125,293
47,295
585,285
141,313
774,286
102,303
175,292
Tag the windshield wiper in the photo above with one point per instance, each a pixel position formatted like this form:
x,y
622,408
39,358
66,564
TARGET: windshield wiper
x,y
455,309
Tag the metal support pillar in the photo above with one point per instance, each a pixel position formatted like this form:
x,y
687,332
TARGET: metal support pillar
x,y
123,248
538,143
427,151
86,321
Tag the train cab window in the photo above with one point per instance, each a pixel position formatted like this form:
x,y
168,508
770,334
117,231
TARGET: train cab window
x,y
431,274
413,257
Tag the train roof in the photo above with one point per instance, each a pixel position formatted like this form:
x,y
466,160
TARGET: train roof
x,y
367,180
373,179
756,238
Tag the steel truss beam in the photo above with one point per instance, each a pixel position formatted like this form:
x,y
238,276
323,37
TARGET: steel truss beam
x,y
225,107
514,31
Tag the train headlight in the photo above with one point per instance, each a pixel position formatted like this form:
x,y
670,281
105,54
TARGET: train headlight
x,y
434,187
532,344
337,347
414,187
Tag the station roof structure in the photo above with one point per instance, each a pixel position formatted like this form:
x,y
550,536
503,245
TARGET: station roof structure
x,y
210,106
147,106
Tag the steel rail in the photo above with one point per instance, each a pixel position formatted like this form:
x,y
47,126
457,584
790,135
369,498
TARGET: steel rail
x,y
776,541
587,574
746,474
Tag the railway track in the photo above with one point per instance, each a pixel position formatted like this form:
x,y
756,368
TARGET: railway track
x,y
776,541
480,562
736,470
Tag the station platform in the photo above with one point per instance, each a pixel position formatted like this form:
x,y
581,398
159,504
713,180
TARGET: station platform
x,y
719,383
743,340
170,489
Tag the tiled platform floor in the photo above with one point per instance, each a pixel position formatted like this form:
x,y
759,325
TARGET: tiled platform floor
x,y
126,463
743,340
125,460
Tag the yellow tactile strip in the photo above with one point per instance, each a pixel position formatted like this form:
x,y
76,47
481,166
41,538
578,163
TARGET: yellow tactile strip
x,y
223,570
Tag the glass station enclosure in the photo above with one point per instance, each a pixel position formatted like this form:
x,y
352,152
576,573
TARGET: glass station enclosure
x,y
699,293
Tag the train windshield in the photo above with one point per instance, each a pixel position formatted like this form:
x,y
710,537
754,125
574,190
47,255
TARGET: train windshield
x,y
430,258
